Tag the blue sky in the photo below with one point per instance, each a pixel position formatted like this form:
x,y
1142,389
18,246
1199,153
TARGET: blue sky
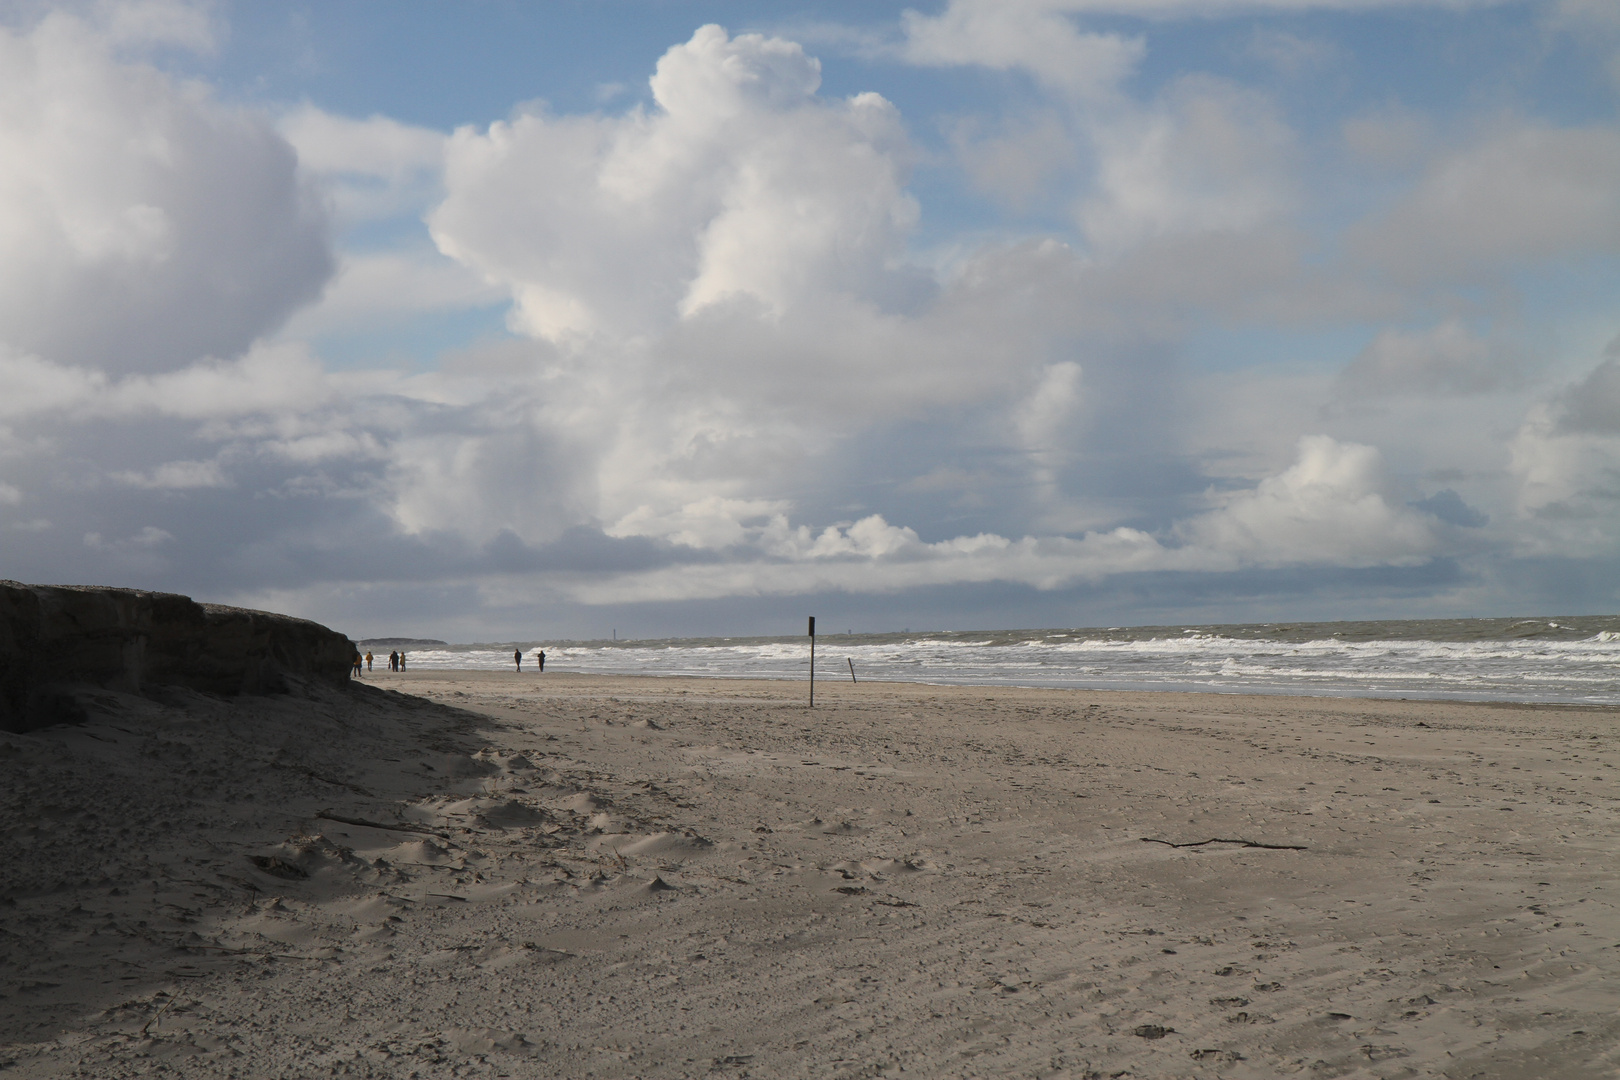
x,y
493,319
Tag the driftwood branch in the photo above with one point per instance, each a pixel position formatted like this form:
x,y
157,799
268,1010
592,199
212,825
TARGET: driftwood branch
x,y
146,1027
1222,840
400,826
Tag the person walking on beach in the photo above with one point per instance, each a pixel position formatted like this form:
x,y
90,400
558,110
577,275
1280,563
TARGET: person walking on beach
x,y
402,659
517,658
357,662
368,659
393,660
542,660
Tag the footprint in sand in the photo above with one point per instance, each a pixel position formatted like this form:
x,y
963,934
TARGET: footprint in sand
x,y
511,815
425,852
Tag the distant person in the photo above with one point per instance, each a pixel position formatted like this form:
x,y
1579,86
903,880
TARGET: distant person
x,y
393,660
358,660
517,658
402,659
368,659
542,660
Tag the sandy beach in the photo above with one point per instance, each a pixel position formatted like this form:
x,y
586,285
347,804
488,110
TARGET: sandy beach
x,y
493,874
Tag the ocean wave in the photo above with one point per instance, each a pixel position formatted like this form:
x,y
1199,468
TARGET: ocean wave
x,y
1548,659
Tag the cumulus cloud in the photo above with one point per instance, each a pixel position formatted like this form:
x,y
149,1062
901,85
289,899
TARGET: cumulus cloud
x,y
718,285
1332,505
731,374
142,225
741,185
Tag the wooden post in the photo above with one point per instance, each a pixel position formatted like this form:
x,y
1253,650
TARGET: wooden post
x,y
851,669
812,661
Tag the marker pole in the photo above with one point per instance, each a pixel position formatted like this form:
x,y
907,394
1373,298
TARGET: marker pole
x,y
812,661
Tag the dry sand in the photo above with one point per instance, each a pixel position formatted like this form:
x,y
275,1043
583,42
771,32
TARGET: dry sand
x,y
572,876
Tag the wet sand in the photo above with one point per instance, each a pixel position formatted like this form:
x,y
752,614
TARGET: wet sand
x,y
492,874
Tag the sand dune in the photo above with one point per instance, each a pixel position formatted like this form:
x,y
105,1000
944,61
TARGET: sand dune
x,y
491,874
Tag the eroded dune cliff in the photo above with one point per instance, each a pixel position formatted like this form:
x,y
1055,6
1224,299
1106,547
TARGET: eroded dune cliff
x,y
58,640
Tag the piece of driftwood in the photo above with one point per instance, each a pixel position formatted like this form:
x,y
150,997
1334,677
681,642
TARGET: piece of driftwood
x,y
399,826
1223,840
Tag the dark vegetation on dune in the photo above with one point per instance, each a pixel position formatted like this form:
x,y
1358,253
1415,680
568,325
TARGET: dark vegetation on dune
x,y
60,642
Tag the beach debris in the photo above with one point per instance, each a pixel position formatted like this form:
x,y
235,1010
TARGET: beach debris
x,y
398,826
146,1027
1152,1031
1222,840
276,866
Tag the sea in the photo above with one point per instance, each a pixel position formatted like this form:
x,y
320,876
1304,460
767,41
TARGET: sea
x,y
1573,659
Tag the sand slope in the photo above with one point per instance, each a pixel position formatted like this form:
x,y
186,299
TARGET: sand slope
x,y
572,876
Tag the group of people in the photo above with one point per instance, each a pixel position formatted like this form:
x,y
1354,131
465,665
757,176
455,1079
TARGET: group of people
x,y
396,661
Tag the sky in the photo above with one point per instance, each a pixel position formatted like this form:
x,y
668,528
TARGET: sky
x,y
495,320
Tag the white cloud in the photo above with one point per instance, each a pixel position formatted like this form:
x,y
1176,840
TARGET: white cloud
x,y
149,537
182,23
492,468
1447,358
1593,24
1566,463
1018,160
269,378
1527,193
1033,37
34,385
1046,424
141,224
176,475
371,168
1210,157
1331,507
713,522
1290,54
